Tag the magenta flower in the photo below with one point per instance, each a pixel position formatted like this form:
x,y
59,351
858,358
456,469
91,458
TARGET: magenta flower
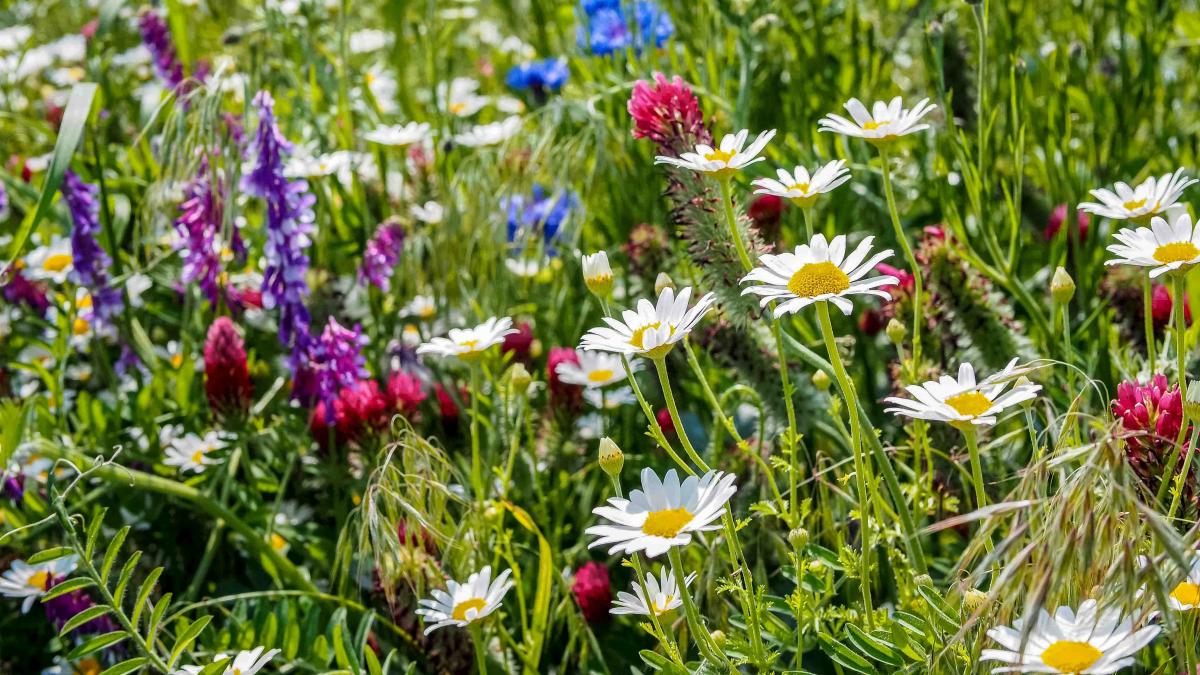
x,y
382,254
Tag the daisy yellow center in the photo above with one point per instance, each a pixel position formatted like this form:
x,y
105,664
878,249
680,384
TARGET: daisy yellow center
x,y
719,156
640,334
665,605
601,375
198,457
1179,251
469,345
426,312
799,187
40,580
872,125
1187,593
1134,204
176,360
80,326
277,542
820,278
666,522
458,108
56,262
461,609
970,403
1071,657
85,301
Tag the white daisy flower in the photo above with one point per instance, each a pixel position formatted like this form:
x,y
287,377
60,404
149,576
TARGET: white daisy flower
x,y
1185,596
245,663
885,122
430,213
664,594
135,286
816,272
611,399
597,273
459,97
663,513
526,268
321,165
1164,246
461,604
192,452
489,134
652,330
1087,641
726,159
802,188
964,401
421,306
31,582
1152,197
595,369
399,135
469,343
52,262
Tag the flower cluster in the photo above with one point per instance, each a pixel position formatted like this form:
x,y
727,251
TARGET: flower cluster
x,y
608,26
89,267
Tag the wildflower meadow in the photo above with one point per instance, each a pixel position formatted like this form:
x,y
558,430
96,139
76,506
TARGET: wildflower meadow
x,y
824,337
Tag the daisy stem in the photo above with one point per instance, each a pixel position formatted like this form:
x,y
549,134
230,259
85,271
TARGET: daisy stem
x,y
699,633
1183,473
476,460
660,365
790,438
976,466
734,232
909,258
1181,347
1148,322
846,385
808,228
480,647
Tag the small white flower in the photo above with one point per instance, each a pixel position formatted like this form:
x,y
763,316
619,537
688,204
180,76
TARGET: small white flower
x,y
1152,197
594,370
962,401
1164,246
430,212
652,330
724,160
664,594
400,135
135,285
818,271
526,268
459,98
322,165
663,513
489,134
801,188
369,40
192,452
461,604
469,343
30,582
884,123
1087,641
421,306
610,399
52,262
597,273
245,663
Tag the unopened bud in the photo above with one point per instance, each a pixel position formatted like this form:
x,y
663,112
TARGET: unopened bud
x,y
973,600
597,274
821,381
798,538
519,377
718,637
611,457
663,282
1191,403
896,331
923,580
1062,286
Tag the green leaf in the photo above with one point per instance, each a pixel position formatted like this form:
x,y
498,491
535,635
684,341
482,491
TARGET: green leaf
x,y
843,656
123,579
217,667
70,131
873,646
93,612
97,643
342,652
50,554
372,662
126,667
156,616
186,638
66,587
938,609
110,556
143,595
93,534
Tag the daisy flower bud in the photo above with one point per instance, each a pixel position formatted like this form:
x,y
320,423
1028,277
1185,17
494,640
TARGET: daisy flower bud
x,y
973,600
519,377
597,274
611,457
662,282
1062,286
1191,404
896,331
798,537
821,381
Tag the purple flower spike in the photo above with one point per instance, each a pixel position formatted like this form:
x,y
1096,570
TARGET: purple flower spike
x,y
382,254
90,265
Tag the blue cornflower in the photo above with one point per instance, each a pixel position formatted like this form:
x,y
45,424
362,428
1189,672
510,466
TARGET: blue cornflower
x,y
541,76
609,29
538,213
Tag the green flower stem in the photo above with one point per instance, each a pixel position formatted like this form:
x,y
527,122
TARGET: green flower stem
x,y
808,227
909,258
860,463
1181,346
479,647
734,232
129,478
1148,322
728,423
660,365
476,460
972,437
790,440
214,537
699,632
1183,473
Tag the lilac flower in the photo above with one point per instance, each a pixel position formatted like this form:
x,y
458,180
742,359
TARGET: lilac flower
x,y
196,229
536,213
289,222
90,264
3,202
548,75
157,38
383,251
338,361
608,30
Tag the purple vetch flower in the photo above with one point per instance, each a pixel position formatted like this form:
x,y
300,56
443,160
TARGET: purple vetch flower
x,y
90,265
62,608
3,202
381,255
289,222
338,361
18,289
156,35
198,228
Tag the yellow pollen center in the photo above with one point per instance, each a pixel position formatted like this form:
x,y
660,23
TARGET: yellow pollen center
x,y
57,262
80,326
802,187
1133,205
40,580
198,457
719,156
426,312
1179,251
666,522
176,360
85,301
1187,594
458,108
970,403
665,605
1071,657
601,375
639,334
821,278
277,542
872,125
461,609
